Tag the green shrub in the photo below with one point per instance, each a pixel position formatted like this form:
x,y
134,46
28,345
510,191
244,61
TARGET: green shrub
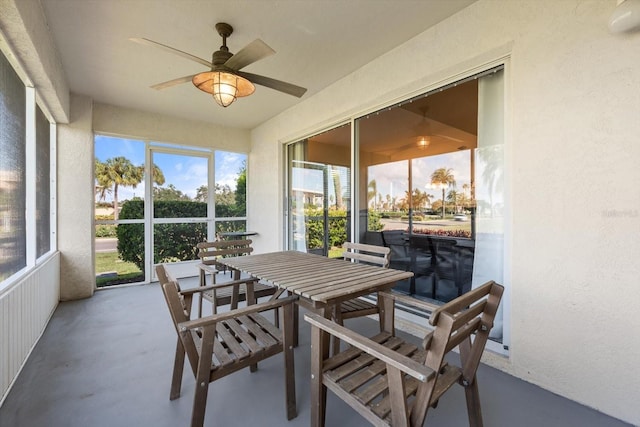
x,y
391,214
106,230
172,242
466,234
373,223
314,228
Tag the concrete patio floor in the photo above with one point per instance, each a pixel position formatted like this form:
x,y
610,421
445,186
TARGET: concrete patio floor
x,y
107,361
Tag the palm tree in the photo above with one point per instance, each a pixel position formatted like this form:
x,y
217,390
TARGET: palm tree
x,y
119,171
337,186
372,191
444,178
101,190
156,174
454,197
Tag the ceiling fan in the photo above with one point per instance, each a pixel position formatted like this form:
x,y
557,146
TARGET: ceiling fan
x,y
422,136
224,80
422,131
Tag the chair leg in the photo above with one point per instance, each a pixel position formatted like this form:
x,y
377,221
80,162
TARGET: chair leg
x,y
276,317
199,404
203,282
337,317
289,370
178,368
296,310
250,300
202,377
318,389
473,404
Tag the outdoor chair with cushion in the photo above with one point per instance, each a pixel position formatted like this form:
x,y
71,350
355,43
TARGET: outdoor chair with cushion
x,y
397,241
392,381
224,343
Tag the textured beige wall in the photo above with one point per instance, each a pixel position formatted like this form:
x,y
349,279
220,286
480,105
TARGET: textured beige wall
x,y
24,26
75,202
156,127
572,167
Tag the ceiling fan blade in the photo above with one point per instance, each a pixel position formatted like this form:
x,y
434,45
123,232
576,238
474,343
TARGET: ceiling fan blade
x,y
172,50
173,82
249,54
278,85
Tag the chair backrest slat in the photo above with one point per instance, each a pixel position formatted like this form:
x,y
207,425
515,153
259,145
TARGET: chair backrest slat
x,y
369,254
209,252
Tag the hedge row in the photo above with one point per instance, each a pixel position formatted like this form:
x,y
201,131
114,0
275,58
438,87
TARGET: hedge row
x,y
172,242
177,242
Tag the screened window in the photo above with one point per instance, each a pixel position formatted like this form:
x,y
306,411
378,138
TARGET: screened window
x,y
12,171
43,187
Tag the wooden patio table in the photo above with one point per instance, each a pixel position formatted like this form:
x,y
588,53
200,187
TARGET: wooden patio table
x,y
319,281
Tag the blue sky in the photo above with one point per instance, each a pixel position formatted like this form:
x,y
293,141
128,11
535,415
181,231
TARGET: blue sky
x,y
185,172
392,178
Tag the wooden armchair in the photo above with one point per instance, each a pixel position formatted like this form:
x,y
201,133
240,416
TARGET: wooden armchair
x,y
368,254
209,252
393,382
224,343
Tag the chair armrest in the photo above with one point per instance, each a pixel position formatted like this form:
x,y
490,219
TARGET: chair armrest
x,y
255,308
199,289
209,268
407,300
405,364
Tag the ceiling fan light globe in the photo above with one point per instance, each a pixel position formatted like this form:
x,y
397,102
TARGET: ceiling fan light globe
x,y
223,86
423,142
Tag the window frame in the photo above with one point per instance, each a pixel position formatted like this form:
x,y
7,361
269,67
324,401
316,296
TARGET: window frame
x,y
33,101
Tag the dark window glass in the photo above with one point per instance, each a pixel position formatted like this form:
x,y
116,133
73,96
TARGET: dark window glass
x,y
43,180
12,171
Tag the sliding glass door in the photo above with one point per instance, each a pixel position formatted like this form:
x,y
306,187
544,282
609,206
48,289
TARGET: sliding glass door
x,y
428,184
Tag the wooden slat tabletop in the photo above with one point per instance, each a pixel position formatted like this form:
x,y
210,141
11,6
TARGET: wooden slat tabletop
x,y
320,279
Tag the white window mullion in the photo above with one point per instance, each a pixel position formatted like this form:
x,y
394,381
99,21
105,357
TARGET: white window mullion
x,y
211,199
148,214
53,189
30,176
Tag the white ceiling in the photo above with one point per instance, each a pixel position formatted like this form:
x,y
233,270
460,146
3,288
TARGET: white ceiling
x,y
317,42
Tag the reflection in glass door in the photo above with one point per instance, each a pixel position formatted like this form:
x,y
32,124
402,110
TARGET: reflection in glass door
x,y
319,194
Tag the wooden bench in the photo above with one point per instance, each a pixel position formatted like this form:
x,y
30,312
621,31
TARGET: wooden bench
x,y
390,381
224,343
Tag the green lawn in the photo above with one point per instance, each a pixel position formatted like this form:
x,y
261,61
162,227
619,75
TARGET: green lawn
x,y
126,271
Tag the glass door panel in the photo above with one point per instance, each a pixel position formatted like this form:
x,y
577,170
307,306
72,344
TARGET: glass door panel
x,y
119,243
319,193
431,183
180,216
230,193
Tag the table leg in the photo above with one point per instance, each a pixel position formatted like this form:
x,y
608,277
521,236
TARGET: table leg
x,y
296,322
387,314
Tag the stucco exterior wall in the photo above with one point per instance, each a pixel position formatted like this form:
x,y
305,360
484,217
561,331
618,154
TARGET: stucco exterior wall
x,y
24,26
155,127
75,202
572,170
